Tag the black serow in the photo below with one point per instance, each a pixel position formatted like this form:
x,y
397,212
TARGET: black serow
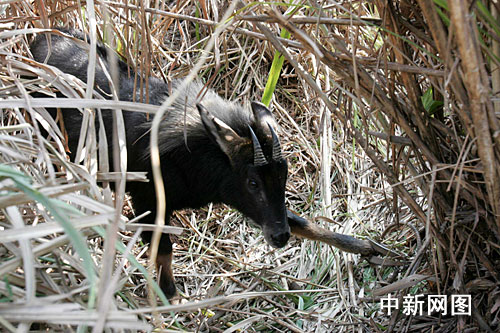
x,y
230,155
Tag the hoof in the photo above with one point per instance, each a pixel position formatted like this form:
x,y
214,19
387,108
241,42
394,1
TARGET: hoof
x,y
168,287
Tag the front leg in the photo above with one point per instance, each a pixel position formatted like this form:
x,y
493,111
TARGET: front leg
x,y
144,199
164,264
164,267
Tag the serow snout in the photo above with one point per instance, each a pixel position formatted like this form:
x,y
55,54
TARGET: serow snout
x,y
280,239
277,235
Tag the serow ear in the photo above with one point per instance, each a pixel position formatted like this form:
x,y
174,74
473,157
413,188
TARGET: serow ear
x,y
223,135
263,118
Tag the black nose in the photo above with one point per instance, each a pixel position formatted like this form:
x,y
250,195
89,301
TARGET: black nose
x,y
280,239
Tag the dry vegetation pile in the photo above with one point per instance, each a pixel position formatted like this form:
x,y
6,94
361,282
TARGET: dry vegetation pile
x,y
389,115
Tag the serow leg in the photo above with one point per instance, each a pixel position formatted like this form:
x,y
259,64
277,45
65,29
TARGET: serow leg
x,y
164,267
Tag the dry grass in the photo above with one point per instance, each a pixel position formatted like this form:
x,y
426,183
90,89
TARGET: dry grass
x,y
364,150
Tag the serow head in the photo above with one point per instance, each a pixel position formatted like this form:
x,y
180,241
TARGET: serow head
x,y
258,171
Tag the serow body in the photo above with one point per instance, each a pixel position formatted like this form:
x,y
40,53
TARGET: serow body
x,y
211,150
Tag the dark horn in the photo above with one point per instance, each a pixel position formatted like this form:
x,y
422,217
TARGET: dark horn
x,y
258,155
277,153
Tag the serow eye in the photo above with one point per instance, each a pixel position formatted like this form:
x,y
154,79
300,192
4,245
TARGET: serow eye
x,y
252,184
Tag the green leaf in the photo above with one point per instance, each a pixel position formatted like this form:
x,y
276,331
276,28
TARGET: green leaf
x,y
274,73
491,20
430,105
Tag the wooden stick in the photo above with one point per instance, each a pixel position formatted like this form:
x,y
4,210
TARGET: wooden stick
x,y
303,228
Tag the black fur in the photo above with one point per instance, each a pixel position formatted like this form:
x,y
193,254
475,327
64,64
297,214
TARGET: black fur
x,y
197,170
